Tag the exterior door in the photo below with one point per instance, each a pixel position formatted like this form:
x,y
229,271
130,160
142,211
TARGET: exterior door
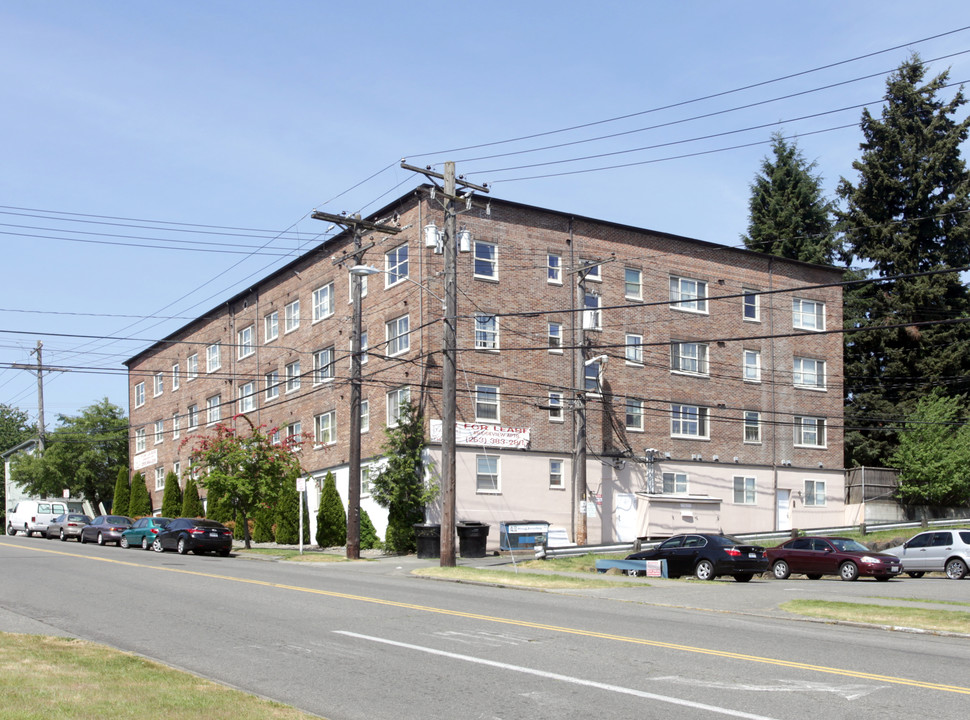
x,y
625,517
783,513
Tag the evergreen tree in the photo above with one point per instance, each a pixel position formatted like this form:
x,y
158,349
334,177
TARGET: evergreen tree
x,y
191,504
331,516
122,495
172,497
399,486
368,534
263,524
140,502
790,216
288,516
907,214
216,508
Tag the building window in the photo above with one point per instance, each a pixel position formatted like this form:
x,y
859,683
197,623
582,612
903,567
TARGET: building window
x,y
396,264
554,269
325,428
158,384
674,483
350,287
322,302
292,374
815,492
213,409
271,326
176,426
744,490
486,332
364,416
363,347
139,394
213,357
486,403
272,380
247,397
751,306
486,260
246,341
592,270
634,349
809,373
395,399
159,434
809,431
688,295
159,478
177,468
555,407
690,358
291,316
688,421
294,433
398,340
807,314
632,284
592,315
556,479
192,367
634,415
175,377
555,337
752,426
193,417
486,475
592,378
140,440
752,366
323,365
366,487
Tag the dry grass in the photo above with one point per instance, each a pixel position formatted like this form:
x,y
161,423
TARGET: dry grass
x,y
510,578
895,616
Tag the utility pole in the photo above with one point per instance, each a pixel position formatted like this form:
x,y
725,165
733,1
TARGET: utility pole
x,y
449,378
38,370
357,226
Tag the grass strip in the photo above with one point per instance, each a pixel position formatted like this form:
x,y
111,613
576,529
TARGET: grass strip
x,y
511,578
909,617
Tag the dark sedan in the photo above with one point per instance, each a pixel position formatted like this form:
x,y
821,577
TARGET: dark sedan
x,y
194,534
67,526
706,556
105,529
818,556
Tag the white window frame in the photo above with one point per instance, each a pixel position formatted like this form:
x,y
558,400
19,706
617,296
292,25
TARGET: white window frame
x,y
291,372
487,404
485,265
689,421
271,326
689,358
325,428
751,421
291,316
634,350
553,269
213,357
398,335
556,407
396,268
751,366
807,314
141,440
363,348
815,491
634,415
592,311
158,432
246,342
159,478
364,416
593,379
158,383
804,431
139,394
213,409
688,295
324,365
191,367
272,381
366,486
633,283
592,270
488,474
395,399
750,305
175,377
746,489
322,302
678,483
555,337
193,417
176,425
557,480
808,373
486,332
247,397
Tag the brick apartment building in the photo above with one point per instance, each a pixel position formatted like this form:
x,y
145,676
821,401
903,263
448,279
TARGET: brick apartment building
x,y
713,396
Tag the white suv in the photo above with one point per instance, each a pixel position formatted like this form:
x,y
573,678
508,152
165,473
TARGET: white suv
x,y
935,551
33,516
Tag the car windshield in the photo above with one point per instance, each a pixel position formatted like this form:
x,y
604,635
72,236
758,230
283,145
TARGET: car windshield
x,y
208,524
80,518
117,520
847,545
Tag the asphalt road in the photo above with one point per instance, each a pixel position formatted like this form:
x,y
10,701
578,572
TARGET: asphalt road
x,y
367,640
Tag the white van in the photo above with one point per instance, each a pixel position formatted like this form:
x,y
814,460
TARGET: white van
x,y
33,516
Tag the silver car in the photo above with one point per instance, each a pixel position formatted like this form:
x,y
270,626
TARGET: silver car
x,y
935,551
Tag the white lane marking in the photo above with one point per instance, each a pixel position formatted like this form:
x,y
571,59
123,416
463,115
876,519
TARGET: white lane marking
x,y
563,678
849,692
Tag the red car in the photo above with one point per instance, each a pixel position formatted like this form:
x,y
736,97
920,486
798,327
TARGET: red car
x,y
818,556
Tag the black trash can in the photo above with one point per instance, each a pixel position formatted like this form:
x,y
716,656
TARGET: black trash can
x,y
471,539
429,540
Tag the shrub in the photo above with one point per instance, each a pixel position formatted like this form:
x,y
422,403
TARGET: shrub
x,y
122,495
172,497
368,535
331,517
191,504
140,502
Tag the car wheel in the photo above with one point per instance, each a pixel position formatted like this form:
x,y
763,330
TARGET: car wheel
x,y
882,578
704,570
916,574
743,577
80,538
183,547
62,536
100,539
27,532
124,542
224,553
781,570
144,542
814,576
157,545
956,569
10,531
849,571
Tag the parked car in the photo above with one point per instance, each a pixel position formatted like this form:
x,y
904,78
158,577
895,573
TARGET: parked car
x,y
707,556
935,551
143,532
67,526
818,556
33,516
105,529
194,534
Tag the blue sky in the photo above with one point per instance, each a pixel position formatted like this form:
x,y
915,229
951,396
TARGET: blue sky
x,y
179,115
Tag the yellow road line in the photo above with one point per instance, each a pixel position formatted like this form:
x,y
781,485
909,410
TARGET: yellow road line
x,y
856,674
